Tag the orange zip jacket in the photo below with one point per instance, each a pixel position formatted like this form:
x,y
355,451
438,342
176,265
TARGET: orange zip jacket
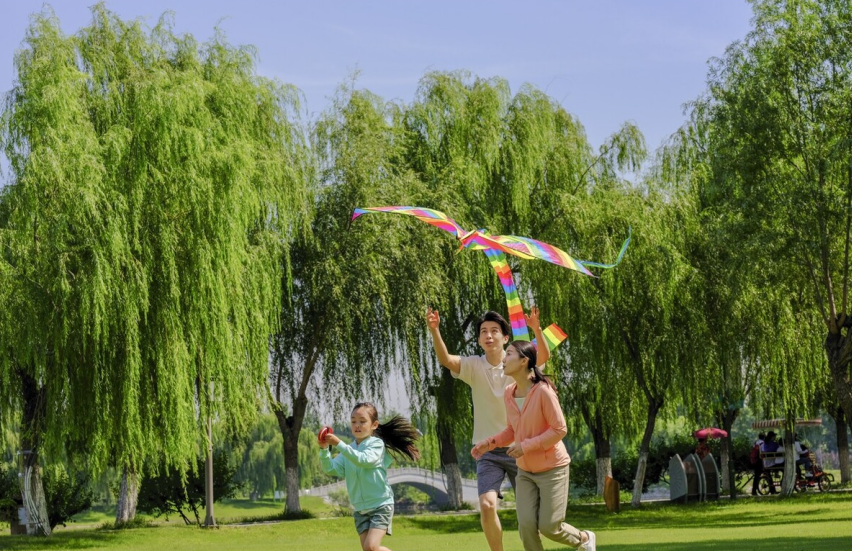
x,y
539,428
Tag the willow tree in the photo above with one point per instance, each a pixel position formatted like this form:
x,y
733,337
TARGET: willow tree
x,y
512,164
571,205
355,308
628,324
778,108
154,182
553,182
600,389
454,131
737,281
598,397
648,318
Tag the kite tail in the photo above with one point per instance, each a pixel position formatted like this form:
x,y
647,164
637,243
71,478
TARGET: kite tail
x,y
513,301
554,335
617,260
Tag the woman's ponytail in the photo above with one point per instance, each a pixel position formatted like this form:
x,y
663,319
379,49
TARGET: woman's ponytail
x,y
527,350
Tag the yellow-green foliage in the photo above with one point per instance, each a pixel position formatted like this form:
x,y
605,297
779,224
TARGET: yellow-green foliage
x,y
155,183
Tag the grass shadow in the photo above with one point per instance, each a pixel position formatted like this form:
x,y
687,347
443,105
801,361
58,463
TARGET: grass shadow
x,y
749,513
248,505
763,544
455,524
60,541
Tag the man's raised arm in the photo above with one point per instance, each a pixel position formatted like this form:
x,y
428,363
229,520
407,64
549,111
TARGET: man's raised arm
x,y
451,362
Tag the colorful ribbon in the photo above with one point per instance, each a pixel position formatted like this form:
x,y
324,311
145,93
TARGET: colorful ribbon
x,y
513,301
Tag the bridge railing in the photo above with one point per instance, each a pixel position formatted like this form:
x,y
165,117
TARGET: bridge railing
x,y
426,474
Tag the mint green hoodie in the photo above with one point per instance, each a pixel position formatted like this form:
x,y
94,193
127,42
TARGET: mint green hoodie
x,y
365,467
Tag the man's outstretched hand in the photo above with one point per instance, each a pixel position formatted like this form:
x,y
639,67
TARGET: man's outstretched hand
x,y
433,319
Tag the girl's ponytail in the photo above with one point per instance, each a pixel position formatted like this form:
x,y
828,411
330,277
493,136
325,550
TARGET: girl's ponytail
x,y
399,436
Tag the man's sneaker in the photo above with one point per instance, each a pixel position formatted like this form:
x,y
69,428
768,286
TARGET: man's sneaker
x,y
590,543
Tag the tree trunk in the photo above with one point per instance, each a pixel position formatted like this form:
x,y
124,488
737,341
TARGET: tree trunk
x,y
210,518
788,484
603,469
290,428
603,452
724,462
726,459
839,351
449,462
34,500
654,406
128,496
842,443
32,488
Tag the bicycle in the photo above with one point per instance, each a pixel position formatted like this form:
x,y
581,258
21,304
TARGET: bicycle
x,y
818,479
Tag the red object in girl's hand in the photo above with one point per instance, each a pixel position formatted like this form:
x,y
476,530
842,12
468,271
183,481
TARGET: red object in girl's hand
x,y
323,433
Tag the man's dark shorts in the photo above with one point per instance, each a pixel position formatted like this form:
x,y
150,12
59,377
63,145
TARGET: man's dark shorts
x,y
492,468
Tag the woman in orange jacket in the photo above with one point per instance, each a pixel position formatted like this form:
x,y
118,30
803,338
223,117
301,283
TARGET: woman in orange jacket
x,y
535,428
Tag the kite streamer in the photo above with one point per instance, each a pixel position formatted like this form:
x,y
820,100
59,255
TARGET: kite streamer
x,y
496,247
554,335
513,301
481,240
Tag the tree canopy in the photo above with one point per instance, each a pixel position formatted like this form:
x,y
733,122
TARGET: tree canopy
x,y
155,182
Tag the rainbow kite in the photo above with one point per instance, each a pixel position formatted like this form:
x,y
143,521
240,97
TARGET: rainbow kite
x,y
496,247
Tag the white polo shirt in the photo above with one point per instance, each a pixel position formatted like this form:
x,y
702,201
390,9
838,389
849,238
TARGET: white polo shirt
x,y
487,383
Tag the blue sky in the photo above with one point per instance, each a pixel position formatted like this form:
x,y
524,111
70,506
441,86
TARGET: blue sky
x,y
605,61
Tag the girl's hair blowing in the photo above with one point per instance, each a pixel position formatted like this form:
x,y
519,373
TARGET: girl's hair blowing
x,y
398,434
527,350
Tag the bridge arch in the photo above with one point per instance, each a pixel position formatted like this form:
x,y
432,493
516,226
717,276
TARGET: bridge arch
x,y
430,482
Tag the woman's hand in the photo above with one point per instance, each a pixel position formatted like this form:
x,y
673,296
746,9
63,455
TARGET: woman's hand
x,y
479,449
515,450
533,319
331,439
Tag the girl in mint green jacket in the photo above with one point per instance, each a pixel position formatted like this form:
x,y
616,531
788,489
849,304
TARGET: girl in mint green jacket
x,y
364,465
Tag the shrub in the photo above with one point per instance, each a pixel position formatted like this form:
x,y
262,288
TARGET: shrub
x,y
65,496
10,494
164,493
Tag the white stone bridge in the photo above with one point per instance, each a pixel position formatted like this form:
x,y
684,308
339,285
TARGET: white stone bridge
x,y
431,482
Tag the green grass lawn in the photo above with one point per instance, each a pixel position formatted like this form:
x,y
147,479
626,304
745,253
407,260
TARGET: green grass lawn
x,y
226,511
807,522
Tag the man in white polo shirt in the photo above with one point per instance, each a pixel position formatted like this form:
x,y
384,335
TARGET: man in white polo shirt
x,y
487,381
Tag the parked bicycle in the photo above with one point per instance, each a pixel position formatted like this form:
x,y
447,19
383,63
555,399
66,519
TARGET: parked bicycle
x,y
818,478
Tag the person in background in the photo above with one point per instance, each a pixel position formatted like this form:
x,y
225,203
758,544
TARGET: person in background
x,y
771,446
702,450
756,462
802,457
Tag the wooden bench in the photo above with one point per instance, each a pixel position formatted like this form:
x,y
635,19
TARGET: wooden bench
x,y
772,455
